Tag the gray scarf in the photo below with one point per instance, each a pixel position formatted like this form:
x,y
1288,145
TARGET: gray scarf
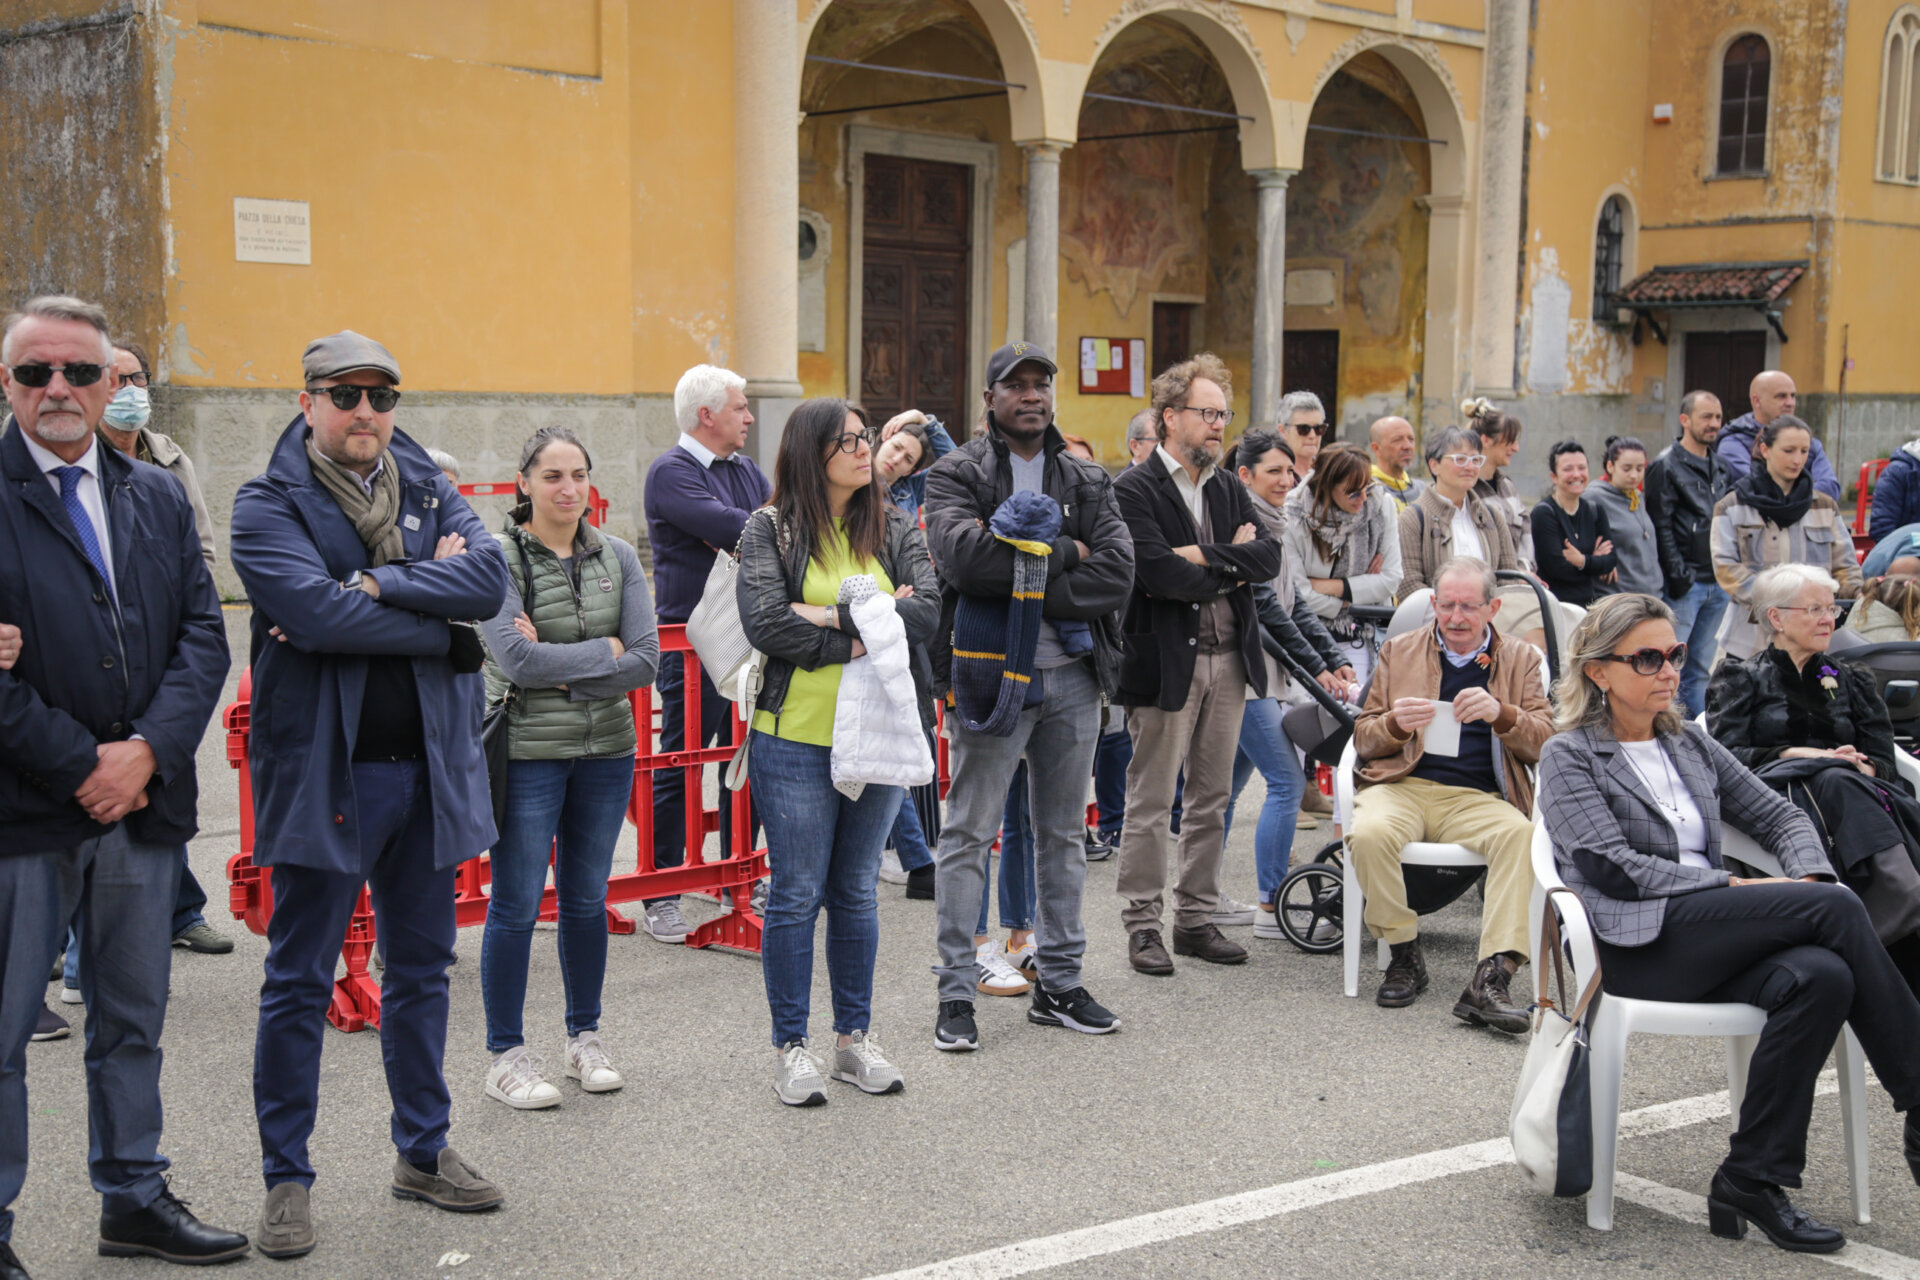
x,y
376,515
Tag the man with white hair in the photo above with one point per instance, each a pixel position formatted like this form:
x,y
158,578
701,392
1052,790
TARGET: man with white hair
x,y
698,497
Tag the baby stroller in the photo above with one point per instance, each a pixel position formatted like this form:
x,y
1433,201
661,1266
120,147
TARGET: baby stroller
x,y
1310,906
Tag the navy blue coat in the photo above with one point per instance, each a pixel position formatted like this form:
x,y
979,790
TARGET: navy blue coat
x,y
292,546
88,674
1896,496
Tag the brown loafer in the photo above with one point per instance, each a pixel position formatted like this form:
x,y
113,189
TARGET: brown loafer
x,y
457,1186
1146,953
1209,944
1487,1003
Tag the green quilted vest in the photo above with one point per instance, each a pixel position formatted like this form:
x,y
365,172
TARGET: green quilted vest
x,y
544,725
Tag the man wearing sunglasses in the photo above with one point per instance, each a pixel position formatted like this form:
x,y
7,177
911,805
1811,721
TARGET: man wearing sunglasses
x,y
122,660
1473,790
367,770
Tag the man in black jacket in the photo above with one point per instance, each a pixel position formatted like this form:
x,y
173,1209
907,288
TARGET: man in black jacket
x,y
1089,568
123,658
1683,484
1192,652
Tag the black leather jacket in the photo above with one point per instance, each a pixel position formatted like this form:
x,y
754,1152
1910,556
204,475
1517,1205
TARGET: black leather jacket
x,y
773,567
1681,493
1758,707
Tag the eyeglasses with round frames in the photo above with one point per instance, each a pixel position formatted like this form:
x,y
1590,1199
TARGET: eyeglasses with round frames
x,y
1648,661
346,397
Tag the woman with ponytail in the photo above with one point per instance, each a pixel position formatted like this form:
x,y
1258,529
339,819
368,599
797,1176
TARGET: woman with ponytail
x,y
1499,440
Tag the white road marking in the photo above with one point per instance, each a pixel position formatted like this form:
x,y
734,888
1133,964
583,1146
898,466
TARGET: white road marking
x,y
1289,1197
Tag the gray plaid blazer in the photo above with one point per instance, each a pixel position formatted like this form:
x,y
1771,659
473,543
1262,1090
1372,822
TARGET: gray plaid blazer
x,y
1615,848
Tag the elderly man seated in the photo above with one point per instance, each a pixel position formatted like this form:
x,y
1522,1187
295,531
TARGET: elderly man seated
x,y
1478,793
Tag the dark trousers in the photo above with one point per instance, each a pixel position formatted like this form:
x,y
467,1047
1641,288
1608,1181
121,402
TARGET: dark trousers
x,y
670,785
413,914
121,891
1807,955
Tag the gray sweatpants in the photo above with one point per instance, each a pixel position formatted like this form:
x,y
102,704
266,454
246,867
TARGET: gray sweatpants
x,y
1057,737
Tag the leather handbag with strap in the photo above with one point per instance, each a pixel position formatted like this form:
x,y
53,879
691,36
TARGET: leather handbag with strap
x,y
1551,1124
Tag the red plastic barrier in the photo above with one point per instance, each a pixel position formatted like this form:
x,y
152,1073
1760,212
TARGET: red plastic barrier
x,y
596,505
356,994
1862,498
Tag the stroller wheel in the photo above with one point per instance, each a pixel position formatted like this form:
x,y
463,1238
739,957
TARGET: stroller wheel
x,y
1331,853
1309,908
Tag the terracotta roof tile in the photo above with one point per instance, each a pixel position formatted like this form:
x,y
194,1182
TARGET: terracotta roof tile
x,y
1712,283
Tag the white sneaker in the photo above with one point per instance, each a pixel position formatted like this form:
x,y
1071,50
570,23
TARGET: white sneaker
x,y
70,995
1229,912
861,1064
1026,960
1266,924
516,1079
796,1077
997,977
664,922
891,872
588,1063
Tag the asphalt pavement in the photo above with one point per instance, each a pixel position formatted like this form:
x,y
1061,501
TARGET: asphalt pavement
x,y
1097,1156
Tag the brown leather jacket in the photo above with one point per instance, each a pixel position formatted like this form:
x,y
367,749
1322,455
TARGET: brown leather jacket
x,y
1409,667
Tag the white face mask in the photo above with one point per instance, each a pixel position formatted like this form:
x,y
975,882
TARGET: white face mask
x,y
129,409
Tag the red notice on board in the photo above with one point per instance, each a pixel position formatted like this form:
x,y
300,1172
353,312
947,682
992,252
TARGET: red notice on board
x,y
1113,367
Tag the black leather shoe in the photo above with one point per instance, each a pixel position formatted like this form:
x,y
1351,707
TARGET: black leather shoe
x,y
166,1230
1406,976
920,883
1487,1003
1913,1143
1730,1209
1209,944
1146,953
10,1268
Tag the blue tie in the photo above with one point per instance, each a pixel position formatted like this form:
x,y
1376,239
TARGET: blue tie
x,y
82,522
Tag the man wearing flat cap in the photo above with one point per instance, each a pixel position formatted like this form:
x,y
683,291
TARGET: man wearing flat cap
x,y
365,752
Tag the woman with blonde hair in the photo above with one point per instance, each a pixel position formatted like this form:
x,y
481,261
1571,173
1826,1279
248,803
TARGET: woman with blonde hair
x,y
1635,799
1888,610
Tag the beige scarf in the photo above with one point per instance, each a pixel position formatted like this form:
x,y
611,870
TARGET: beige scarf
x,y
376,515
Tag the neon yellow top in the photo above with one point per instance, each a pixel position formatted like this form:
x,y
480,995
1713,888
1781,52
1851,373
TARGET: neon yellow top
x,y
807,713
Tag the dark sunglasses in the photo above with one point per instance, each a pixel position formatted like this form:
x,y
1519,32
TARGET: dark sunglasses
x,y
346,398
1647,662
40,375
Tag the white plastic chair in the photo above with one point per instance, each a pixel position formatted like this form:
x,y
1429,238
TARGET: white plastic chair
x,y
1615,1019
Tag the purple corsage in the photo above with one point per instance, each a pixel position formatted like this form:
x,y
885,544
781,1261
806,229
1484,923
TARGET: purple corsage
x,y
1829,680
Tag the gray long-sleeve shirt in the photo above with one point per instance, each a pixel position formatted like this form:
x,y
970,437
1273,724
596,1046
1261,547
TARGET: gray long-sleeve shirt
x,y
1634,547
587,667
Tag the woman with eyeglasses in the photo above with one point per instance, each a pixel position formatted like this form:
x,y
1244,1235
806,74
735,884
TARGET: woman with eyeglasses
x,y
1618,495
1343,546
1571,535
829,535
1499,440
1449,519
1815,728
1774,515
1634,799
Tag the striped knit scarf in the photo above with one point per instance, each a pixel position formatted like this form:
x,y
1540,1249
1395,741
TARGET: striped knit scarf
x,y
993,642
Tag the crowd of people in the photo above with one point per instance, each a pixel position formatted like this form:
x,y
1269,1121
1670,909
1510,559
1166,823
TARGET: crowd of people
x,y
425,689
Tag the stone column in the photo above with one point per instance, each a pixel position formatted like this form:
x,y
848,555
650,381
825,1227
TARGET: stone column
x,y
1269,294
1043,248
1503,122
766,213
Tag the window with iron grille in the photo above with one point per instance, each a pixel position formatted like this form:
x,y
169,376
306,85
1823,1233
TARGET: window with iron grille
x,y
1744,76
1609,248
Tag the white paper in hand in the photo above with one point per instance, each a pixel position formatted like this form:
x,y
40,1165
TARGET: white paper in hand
x,y
1443,732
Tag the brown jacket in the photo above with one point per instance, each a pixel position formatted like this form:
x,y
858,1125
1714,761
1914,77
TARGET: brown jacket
x,y
1426,538
1409,667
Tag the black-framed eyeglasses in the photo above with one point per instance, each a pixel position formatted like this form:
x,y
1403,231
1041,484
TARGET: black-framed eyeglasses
x,y
1212,417
1648,661
41,375
850,441
138,378
346,397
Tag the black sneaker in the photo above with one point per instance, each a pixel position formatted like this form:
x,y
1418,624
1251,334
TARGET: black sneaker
x,y
1074,1009
954,1031
1099,847
51,1026
920,883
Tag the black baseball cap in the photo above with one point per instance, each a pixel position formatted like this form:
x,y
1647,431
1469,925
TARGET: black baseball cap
x,y
1001,362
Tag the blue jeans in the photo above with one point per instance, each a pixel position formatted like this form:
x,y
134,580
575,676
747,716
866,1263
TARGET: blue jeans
x,y
1264,745
1110,759
581,804
823,850
909,835
1017,890
670,785
1696,620
122,891
413,913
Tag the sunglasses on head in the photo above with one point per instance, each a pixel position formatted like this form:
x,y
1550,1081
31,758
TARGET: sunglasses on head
x,y
346,398
40,375
1648,661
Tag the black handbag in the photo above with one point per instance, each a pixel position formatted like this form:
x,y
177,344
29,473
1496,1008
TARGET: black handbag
x,y
493,727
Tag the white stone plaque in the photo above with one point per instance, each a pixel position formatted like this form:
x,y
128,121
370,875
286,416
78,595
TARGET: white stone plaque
x,y
1313,287
272,231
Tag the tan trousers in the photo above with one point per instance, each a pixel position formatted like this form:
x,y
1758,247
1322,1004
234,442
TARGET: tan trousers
x,y
1390,816
1202,736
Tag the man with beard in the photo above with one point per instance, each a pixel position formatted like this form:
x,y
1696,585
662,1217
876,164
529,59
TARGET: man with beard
x,y
1192,652
1683,485
1071,660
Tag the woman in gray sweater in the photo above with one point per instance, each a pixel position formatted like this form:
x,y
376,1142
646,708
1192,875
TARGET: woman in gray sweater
x,y
574,636
1620,496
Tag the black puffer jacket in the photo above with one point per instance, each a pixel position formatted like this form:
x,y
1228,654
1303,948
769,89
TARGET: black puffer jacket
x,y
1758,707
967,486
773,568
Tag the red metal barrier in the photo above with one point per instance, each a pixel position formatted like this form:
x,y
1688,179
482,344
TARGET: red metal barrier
x,y
356,994
596,505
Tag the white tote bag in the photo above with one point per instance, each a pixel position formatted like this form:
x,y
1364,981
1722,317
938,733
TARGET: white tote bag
x,y
1552,1119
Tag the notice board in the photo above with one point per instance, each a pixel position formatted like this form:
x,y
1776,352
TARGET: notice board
x,y
1113,367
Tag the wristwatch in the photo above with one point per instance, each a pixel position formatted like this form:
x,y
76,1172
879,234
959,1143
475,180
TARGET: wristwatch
x,y
352,582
